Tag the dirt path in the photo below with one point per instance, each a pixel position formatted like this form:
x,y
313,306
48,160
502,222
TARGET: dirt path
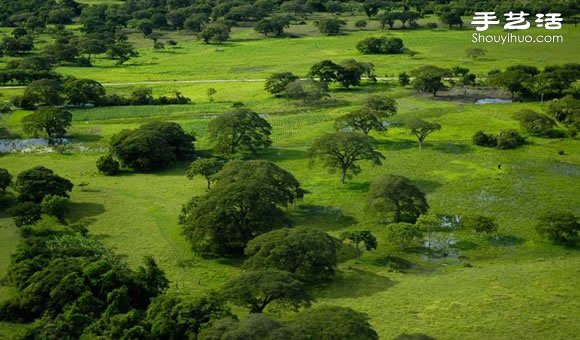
x,y
165,82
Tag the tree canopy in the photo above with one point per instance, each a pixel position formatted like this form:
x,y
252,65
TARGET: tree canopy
x,y
51,121
308,253
343,150
240,130
397,195
257,290
39,182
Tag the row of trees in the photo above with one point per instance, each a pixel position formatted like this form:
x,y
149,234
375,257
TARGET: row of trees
x,y
86,92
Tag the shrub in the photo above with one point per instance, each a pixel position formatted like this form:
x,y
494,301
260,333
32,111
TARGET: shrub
x,y
559,227
56,206
25,213
107,165
509,139
535,123
5,179
482,139
431,25
382,45
360,24
480,224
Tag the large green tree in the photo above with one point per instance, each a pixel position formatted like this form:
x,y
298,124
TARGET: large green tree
x,y
343,150
36,183
308,253
257,290
559,226
84,91
397,196
51,121
372,116
429,79
240,130
333,322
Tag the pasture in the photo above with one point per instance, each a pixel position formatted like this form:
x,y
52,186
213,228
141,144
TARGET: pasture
x,y
524,287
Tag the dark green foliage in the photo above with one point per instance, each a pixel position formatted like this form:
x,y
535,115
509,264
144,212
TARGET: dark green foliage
x,y
206,167
276,83
404,79
421,129
451,18
310,254
535,123
360,24
509,139
216,32
559,227
482,139
122,51
181,143
475,52
565,110
152,146
81,92
5,179
176,317
384,45
281,182
332,322
142,150
51,121
370,117
329,26
257,290
244,203
343,150
240,130
44,92
308,90
108,165
429,79
55,206
274,25
479,224
515,79
254,326
397,195
403,234
196,22
25,213
360,236
39,182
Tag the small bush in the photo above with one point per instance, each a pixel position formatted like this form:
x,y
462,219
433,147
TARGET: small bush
x,y
482,139
107,165
535,123
431,25
559,227
509,139
25,213
480,224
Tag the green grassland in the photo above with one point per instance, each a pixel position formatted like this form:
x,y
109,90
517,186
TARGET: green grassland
x,y
528,289
249,55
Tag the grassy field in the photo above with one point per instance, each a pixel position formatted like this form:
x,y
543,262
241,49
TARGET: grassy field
x,y
526,288
508,286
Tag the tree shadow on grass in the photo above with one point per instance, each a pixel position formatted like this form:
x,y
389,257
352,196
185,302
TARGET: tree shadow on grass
x,y
453,148
357,186
285,155
397,145
427,186
394,263
353,283
79,210
321,217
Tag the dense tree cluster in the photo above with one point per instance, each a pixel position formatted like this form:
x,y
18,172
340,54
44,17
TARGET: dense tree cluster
x,y
384,45
347,73
152,146
245,202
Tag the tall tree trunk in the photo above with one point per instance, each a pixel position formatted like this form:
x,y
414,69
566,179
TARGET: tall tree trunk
x,y
343,176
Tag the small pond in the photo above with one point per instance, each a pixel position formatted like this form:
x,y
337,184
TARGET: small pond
x,y
36,145
484,101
